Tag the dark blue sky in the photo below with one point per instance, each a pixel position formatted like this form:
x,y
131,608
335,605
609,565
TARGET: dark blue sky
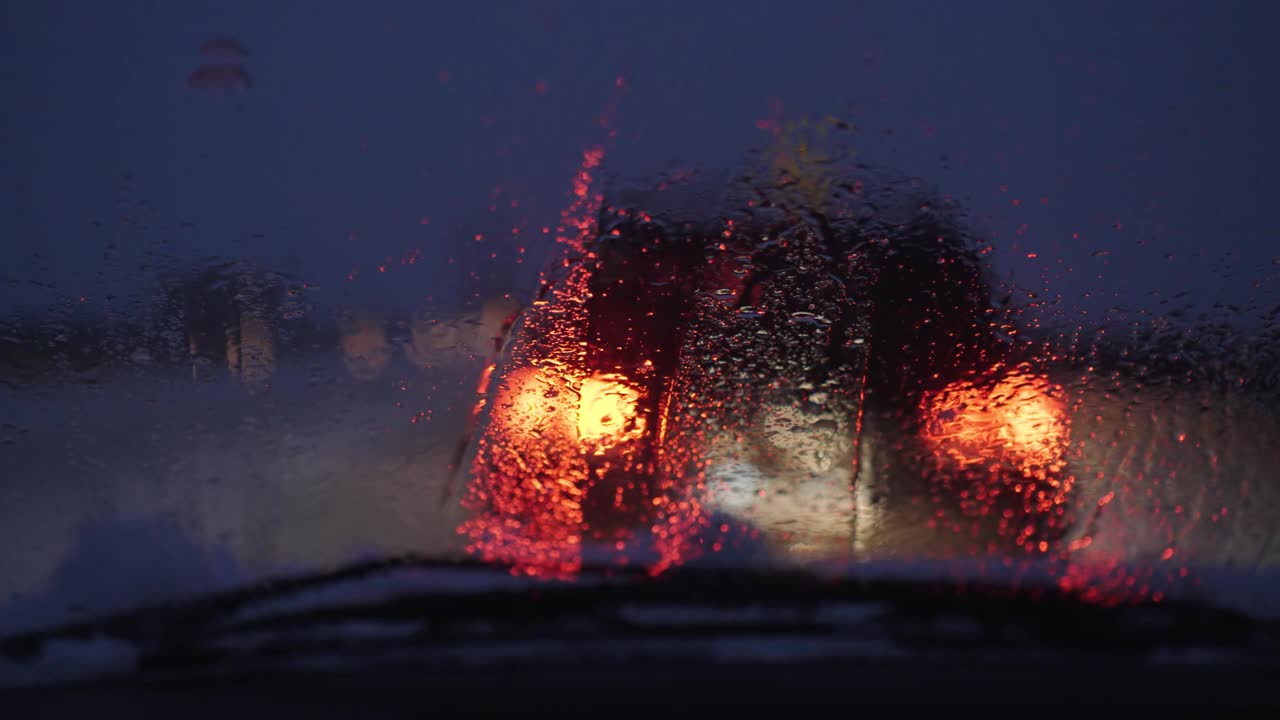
x,y
1129,146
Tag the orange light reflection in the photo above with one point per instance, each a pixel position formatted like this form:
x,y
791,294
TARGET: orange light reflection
x,y
1005,433
1019,420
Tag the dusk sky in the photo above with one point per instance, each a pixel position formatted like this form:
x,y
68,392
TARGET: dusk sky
x,y
1104,147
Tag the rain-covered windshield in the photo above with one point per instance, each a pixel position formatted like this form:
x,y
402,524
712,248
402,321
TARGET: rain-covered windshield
x,y
287,286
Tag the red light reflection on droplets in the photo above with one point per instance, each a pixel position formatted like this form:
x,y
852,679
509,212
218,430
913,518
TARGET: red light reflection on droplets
x,y
1020,418
528,481
549,417
529,475
1009,433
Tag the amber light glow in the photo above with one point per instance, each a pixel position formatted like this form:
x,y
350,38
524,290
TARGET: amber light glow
x,y
535,404
365,348
608,412
1019,420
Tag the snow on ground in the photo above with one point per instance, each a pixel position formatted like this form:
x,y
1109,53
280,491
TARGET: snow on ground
x,y
147,489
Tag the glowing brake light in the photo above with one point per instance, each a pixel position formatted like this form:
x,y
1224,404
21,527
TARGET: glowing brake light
x,y
1020,421
608,412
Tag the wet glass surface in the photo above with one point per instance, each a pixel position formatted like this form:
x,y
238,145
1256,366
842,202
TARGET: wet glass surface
x,y
515,287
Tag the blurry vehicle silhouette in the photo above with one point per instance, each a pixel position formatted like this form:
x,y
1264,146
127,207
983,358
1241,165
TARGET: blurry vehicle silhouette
x,y
824,367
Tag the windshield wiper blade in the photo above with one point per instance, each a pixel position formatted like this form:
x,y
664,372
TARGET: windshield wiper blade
x,y
449,611
187,615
